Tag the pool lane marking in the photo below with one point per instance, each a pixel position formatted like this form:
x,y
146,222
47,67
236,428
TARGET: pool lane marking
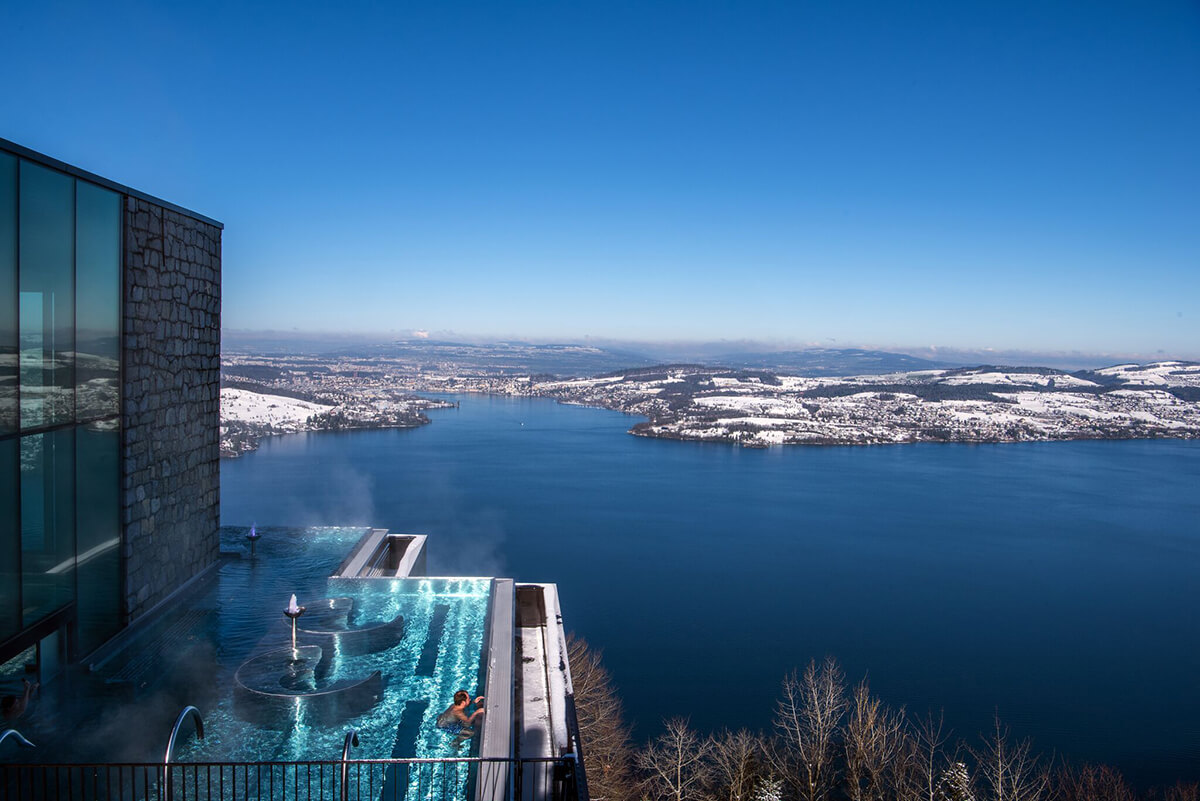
x,y
429,653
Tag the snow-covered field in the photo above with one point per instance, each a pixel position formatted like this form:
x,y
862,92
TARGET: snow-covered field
x,y
968,405
1172,374
274,410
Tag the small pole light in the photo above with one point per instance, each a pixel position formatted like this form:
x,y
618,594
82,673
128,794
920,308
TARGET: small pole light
x,y
253,536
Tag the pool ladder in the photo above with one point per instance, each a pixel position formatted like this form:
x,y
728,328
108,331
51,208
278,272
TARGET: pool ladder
x,y
194,714
351,740
187,712
20,738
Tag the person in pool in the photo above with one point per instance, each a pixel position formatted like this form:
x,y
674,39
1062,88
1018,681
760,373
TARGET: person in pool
x,y
456,720
13,707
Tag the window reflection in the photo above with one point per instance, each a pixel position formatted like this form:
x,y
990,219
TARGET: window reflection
x,y
8,294
10,544
98,301
47,523
60,434
47,305
98,526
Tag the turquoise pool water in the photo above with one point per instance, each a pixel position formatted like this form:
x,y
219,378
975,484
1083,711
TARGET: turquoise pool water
x,y
251,597
123,709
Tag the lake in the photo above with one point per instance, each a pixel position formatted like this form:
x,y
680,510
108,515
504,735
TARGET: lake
x,y
1055,583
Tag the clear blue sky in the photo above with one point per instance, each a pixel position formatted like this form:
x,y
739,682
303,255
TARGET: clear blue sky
x,y
968,174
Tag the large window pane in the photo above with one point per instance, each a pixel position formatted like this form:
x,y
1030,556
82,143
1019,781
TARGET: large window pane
x,y
47,303
8,294
97,300
98,522
47,523
10,541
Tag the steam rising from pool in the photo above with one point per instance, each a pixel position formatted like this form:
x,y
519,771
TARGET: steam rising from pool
x,y
191,654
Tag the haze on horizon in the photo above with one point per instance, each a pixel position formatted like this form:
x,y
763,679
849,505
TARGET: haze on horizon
x,y
1015,176
714,352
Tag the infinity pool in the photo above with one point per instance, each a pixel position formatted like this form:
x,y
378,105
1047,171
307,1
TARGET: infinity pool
x,y
122,710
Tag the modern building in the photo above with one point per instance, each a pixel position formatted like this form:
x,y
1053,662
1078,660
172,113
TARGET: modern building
x,y
110,320
110,306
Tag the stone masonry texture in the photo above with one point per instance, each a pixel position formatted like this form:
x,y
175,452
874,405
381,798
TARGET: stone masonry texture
x,y
171,401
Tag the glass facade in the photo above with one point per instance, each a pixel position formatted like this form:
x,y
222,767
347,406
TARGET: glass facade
x,y
46,243
8,294
60,326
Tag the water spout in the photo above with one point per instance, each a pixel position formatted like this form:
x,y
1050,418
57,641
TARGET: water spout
x,y
294,611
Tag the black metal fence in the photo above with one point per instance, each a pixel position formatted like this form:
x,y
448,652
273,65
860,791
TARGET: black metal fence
x,y
467,779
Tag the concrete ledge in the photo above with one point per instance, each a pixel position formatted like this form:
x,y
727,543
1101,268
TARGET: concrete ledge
x,y
557,671
495,740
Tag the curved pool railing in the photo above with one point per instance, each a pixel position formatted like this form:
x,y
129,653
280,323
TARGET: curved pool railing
x,y
16,735
351,741
187,712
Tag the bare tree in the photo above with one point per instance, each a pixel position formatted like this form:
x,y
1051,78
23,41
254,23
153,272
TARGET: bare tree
x,y
1092,783
1182,791
676,763
737,762
929,756
876,748
602,730
807,718
1009,770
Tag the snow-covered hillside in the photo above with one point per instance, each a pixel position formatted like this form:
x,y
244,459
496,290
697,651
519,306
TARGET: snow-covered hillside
x,y
274,410
985,404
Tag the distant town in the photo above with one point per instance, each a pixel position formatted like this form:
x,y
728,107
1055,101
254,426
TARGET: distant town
x,y
265,394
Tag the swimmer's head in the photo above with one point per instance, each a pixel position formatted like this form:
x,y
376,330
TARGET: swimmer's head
x,y
461,697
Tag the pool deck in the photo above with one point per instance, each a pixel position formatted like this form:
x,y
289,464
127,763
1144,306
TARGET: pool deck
x,y
543,683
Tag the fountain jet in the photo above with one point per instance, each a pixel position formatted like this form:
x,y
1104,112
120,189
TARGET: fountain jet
x,y
294,611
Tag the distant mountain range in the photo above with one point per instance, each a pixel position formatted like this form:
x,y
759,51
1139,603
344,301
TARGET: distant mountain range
x,y
580,360
594,358
818,362
510,357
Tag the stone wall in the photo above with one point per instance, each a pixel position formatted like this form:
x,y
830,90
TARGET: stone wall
x,y
171,400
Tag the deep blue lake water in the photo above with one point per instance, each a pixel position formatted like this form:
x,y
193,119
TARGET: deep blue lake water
x,y
1058,583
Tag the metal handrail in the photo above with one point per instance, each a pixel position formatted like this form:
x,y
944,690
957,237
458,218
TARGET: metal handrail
x,y
20,738
351,740
185,713
304,780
